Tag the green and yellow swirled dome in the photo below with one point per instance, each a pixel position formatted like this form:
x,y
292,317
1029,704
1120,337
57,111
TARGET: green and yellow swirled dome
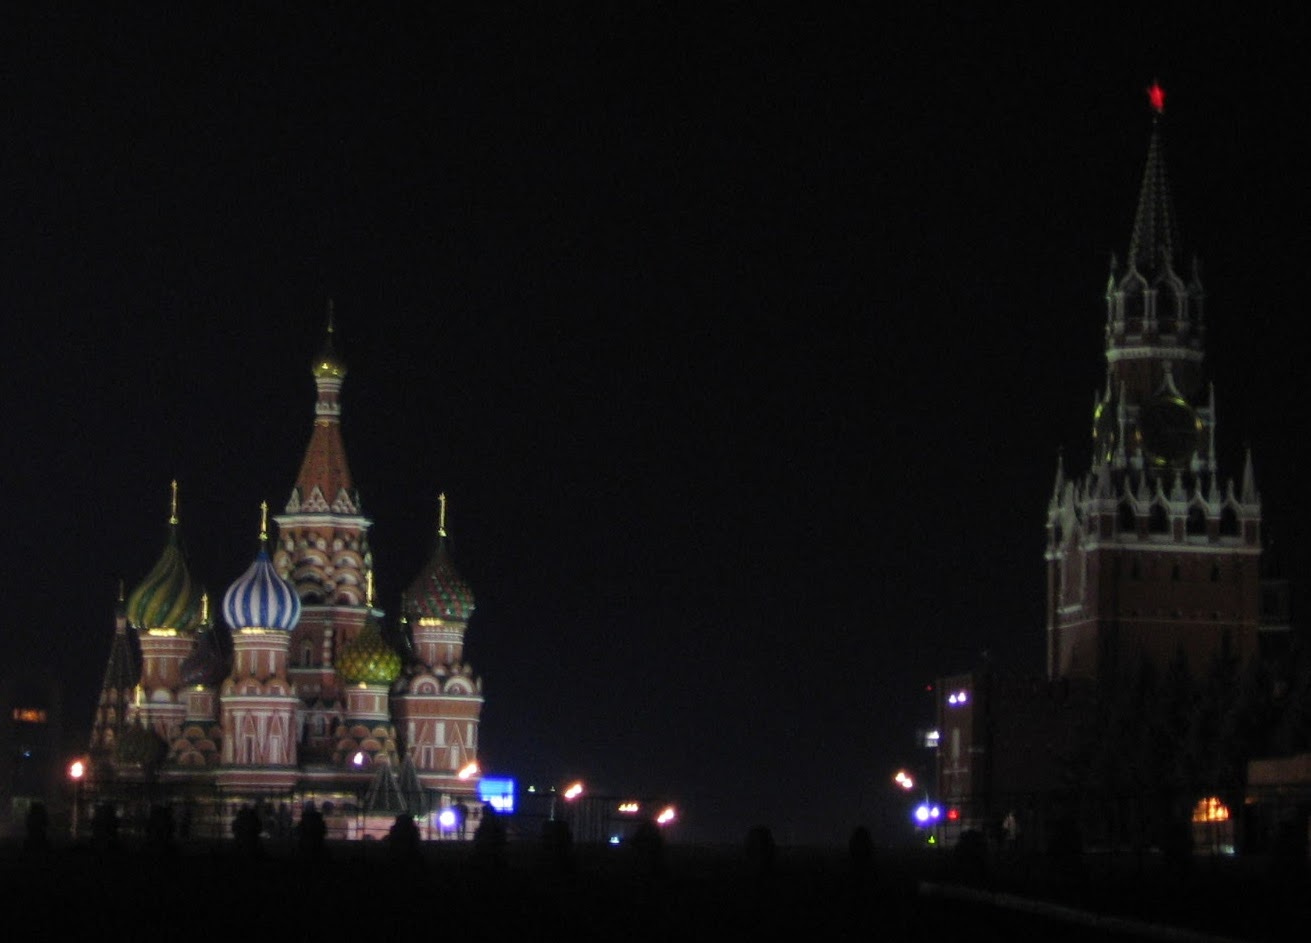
x,y
167,598
369,658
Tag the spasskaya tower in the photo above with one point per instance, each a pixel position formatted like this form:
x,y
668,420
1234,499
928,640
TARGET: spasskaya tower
x,y
1155,550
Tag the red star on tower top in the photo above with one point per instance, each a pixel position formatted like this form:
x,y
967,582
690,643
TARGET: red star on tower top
x,y
1156,95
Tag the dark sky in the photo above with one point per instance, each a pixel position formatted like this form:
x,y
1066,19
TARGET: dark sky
x,y
743,345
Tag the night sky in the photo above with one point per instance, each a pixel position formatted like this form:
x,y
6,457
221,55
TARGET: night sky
x,y
743,346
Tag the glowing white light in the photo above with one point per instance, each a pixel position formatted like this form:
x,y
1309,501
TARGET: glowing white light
x,y
77,770
358,758
470,770
957,698
925,813
629,808
446,818
614,839
666,815
904,780
574,791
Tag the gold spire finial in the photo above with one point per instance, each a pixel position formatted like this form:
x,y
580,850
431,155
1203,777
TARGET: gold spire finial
x,y
120,590
173,504
204,608
368,589
263,521
330,315
441,515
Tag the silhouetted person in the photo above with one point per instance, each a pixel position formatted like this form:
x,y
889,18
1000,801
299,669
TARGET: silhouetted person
x,y
311,832
1065,845
461,818
246,827
403,841
860,850
489,839
38,829
159,830
760,850
282,821
104,827
1177,846
971,855
648,847
557,846
1288,851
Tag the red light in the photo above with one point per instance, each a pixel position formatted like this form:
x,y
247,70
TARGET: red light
x,y
953,815
1156,95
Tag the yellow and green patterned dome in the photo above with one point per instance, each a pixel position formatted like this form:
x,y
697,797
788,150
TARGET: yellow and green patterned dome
x,y
369,658
167,599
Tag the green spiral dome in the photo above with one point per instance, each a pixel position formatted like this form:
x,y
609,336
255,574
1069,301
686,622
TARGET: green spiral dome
x,y
369,658
166,598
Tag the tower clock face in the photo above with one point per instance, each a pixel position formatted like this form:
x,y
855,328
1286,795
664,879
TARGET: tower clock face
x,y
1168,429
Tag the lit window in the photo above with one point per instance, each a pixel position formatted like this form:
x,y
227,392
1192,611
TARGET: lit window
x,y
1210,809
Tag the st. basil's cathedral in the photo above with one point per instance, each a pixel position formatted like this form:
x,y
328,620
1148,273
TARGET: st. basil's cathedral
x,y
291,692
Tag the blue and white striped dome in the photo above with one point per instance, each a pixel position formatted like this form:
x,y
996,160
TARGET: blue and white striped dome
x,y
261,599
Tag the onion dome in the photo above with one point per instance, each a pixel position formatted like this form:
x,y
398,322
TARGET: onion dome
x,y
167,599
439,592
260,598
369,658
329,364
208,662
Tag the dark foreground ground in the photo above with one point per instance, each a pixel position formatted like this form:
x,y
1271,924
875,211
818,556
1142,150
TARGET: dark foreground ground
x,y
362,891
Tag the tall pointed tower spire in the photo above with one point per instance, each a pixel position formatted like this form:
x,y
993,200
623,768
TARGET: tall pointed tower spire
x,y
122,673
1154,242
323,549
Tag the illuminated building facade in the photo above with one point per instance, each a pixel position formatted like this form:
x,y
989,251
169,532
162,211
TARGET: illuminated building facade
x,y
301,693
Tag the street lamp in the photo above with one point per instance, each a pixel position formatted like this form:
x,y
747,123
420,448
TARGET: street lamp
x,y
571,792
76,770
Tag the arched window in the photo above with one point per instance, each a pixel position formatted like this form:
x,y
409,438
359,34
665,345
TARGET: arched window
x,y
1128,521
1228,522
1196,526
1157,521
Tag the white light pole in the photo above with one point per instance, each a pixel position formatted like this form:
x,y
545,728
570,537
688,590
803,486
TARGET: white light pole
x,y
76,770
